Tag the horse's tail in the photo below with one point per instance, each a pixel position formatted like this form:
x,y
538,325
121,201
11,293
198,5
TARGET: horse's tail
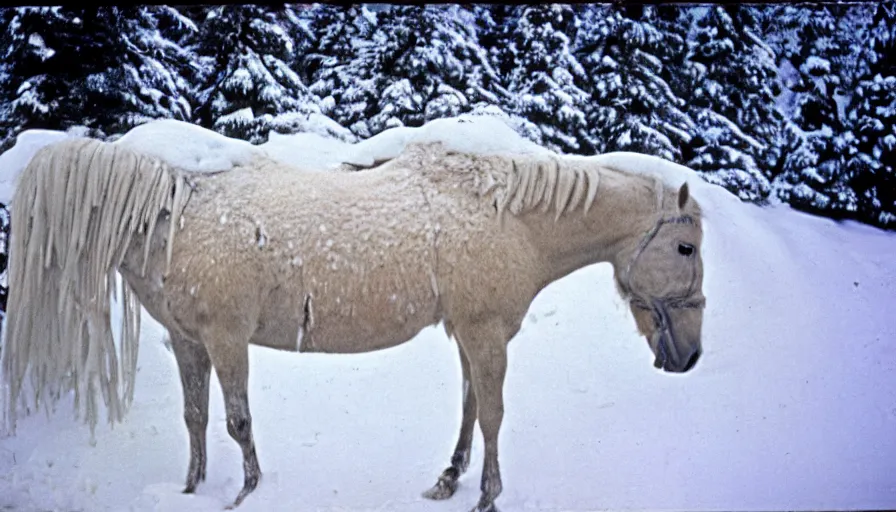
x,y
77,206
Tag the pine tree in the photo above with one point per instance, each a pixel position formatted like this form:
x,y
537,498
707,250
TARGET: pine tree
x,y
496,24
819,66
426,64
632,106
107,68
331,65
6,138
728,87
194,13
480,83
157,71
247,80
547,80
43,56
814,177
816,165
495,27
741,77
820,51
871,160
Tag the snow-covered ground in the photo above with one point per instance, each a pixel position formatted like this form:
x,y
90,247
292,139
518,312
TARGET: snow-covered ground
x,y
793,405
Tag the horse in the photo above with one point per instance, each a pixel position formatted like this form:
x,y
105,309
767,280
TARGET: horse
x,y
338,262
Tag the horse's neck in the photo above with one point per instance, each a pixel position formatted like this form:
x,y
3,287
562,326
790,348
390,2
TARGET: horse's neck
x,y
624,210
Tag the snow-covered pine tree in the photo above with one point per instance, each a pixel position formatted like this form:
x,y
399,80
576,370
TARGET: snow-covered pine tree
x,y
810,58
107,68
817,63
814,172
426,64
871,165
177,23
194,13
42,55
871,160
632,106
547,80
495,25
674,22
297,22
6,138
722,149
484,83
247,78
334,71
157,70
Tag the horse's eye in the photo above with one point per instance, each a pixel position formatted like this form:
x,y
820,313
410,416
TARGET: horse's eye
x,y
685,249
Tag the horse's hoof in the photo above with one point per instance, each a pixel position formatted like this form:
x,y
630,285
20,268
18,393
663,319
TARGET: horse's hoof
x,y
443,490
190,486
485,508
249,486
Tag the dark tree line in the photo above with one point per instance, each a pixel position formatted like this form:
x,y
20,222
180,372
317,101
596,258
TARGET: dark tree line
x,y
774,102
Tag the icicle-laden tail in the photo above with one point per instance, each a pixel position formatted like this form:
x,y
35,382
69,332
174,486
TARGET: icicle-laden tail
x,y
77,205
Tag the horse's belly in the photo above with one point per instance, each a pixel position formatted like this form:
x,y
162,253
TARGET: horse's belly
x,y
321,323
361,330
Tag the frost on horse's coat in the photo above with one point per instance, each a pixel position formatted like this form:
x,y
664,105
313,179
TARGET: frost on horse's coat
x,y
326,266
327,262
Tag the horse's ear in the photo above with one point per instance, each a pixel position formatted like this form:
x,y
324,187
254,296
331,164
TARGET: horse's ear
x,y
683,195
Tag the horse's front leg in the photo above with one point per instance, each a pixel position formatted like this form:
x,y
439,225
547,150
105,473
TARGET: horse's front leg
x,y
460,460
229,354
485,344
195,368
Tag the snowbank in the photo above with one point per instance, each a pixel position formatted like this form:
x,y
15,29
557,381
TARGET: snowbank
x,y
183,145
188,146
793,405
309,151
14,161
473,134
196,149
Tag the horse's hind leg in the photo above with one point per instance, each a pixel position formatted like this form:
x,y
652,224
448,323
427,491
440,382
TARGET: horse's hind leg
x,y
230,357
460,460
195,368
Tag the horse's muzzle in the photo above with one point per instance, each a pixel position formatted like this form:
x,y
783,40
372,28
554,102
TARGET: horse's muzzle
x,y
671,355
674,363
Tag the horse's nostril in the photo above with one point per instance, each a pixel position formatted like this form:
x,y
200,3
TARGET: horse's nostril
x,y
693,360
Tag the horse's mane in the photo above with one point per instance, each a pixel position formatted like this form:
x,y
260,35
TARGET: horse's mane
x,y
64,255
549,184
518,183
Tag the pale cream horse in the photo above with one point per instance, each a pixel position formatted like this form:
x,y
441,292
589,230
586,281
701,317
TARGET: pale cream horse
x,y
324,262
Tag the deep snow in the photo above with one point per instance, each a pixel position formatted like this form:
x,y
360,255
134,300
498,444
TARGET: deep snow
x,y
793,405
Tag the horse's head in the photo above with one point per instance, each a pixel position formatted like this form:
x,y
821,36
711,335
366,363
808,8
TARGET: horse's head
x,y
663,279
